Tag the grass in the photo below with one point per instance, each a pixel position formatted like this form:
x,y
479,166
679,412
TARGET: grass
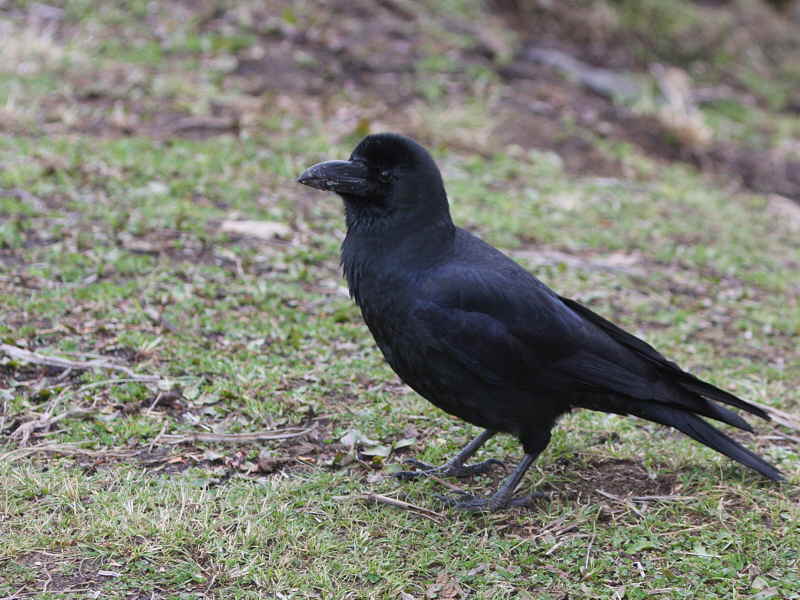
x,y
112,245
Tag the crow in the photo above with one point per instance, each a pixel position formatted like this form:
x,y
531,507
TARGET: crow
x,y
481,338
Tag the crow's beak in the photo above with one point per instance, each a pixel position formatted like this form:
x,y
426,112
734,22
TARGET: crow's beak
x,y
340,176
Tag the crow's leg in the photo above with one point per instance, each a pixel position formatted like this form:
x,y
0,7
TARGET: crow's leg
x,y
455,467
504,496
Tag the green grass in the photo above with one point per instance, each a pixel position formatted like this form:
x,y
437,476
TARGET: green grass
x,y
111,245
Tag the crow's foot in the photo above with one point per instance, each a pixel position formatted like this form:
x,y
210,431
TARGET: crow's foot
x,y
493,503
450,469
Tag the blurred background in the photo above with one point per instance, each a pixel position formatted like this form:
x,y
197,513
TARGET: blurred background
x,y
712,83
191,405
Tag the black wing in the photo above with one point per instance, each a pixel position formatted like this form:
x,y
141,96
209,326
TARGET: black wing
x,y
646,351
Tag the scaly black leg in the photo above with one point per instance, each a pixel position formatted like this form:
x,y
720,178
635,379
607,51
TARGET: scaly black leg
x,y
454,467
504,496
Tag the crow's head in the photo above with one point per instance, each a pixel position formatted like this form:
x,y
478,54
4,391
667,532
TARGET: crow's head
x,y
386,174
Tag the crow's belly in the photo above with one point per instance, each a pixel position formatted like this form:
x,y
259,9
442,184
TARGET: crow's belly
x,y
454,389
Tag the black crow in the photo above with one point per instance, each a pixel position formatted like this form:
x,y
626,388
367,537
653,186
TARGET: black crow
x,y
481,338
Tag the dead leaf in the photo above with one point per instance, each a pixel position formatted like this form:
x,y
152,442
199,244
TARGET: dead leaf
x,y
268,462
378,450
212,456
445,587
263,230
303,448
404,443
354,436
480,568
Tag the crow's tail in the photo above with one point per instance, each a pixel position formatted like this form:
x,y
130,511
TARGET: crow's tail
x,y
700,430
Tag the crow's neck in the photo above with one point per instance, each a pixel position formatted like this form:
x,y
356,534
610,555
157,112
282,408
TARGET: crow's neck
x,y
377,251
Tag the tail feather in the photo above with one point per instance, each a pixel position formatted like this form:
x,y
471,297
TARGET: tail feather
x,y
698,386
720,413
668,368
700,430
677,395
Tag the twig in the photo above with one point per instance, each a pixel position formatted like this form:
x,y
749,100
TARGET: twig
x,y
24,431
563,541
626,502
793,425
661,498
779,416
550,527
54,361
588,554
446,484
781,436
427,513
137,379
158,437
701,554
15,594
65,449
82,354
557,528
280,434
3,412
687,529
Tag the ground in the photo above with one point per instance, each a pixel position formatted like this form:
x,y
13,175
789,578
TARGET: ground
x,y
190,404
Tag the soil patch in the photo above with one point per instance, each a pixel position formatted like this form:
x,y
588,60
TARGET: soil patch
x,y
622,478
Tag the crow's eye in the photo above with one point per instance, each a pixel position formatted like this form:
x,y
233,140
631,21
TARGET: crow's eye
x,y
385,176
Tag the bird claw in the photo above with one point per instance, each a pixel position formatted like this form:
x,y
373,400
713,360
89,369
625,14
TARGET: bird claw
x,y
409,475
419,464
424,470
446,470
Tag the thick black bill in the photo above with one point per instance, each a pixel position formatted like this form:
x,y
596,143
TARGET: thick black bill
x,y
340,176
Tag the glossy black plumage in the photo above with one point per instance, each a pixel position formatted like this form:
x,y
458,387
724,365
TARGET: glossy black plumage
x,y
483,339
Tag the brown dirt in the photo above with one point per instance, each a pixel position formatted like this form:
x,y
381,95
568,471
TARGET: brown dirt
x,y
538,101
538,97
622,477
84,577
369,54
534,107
